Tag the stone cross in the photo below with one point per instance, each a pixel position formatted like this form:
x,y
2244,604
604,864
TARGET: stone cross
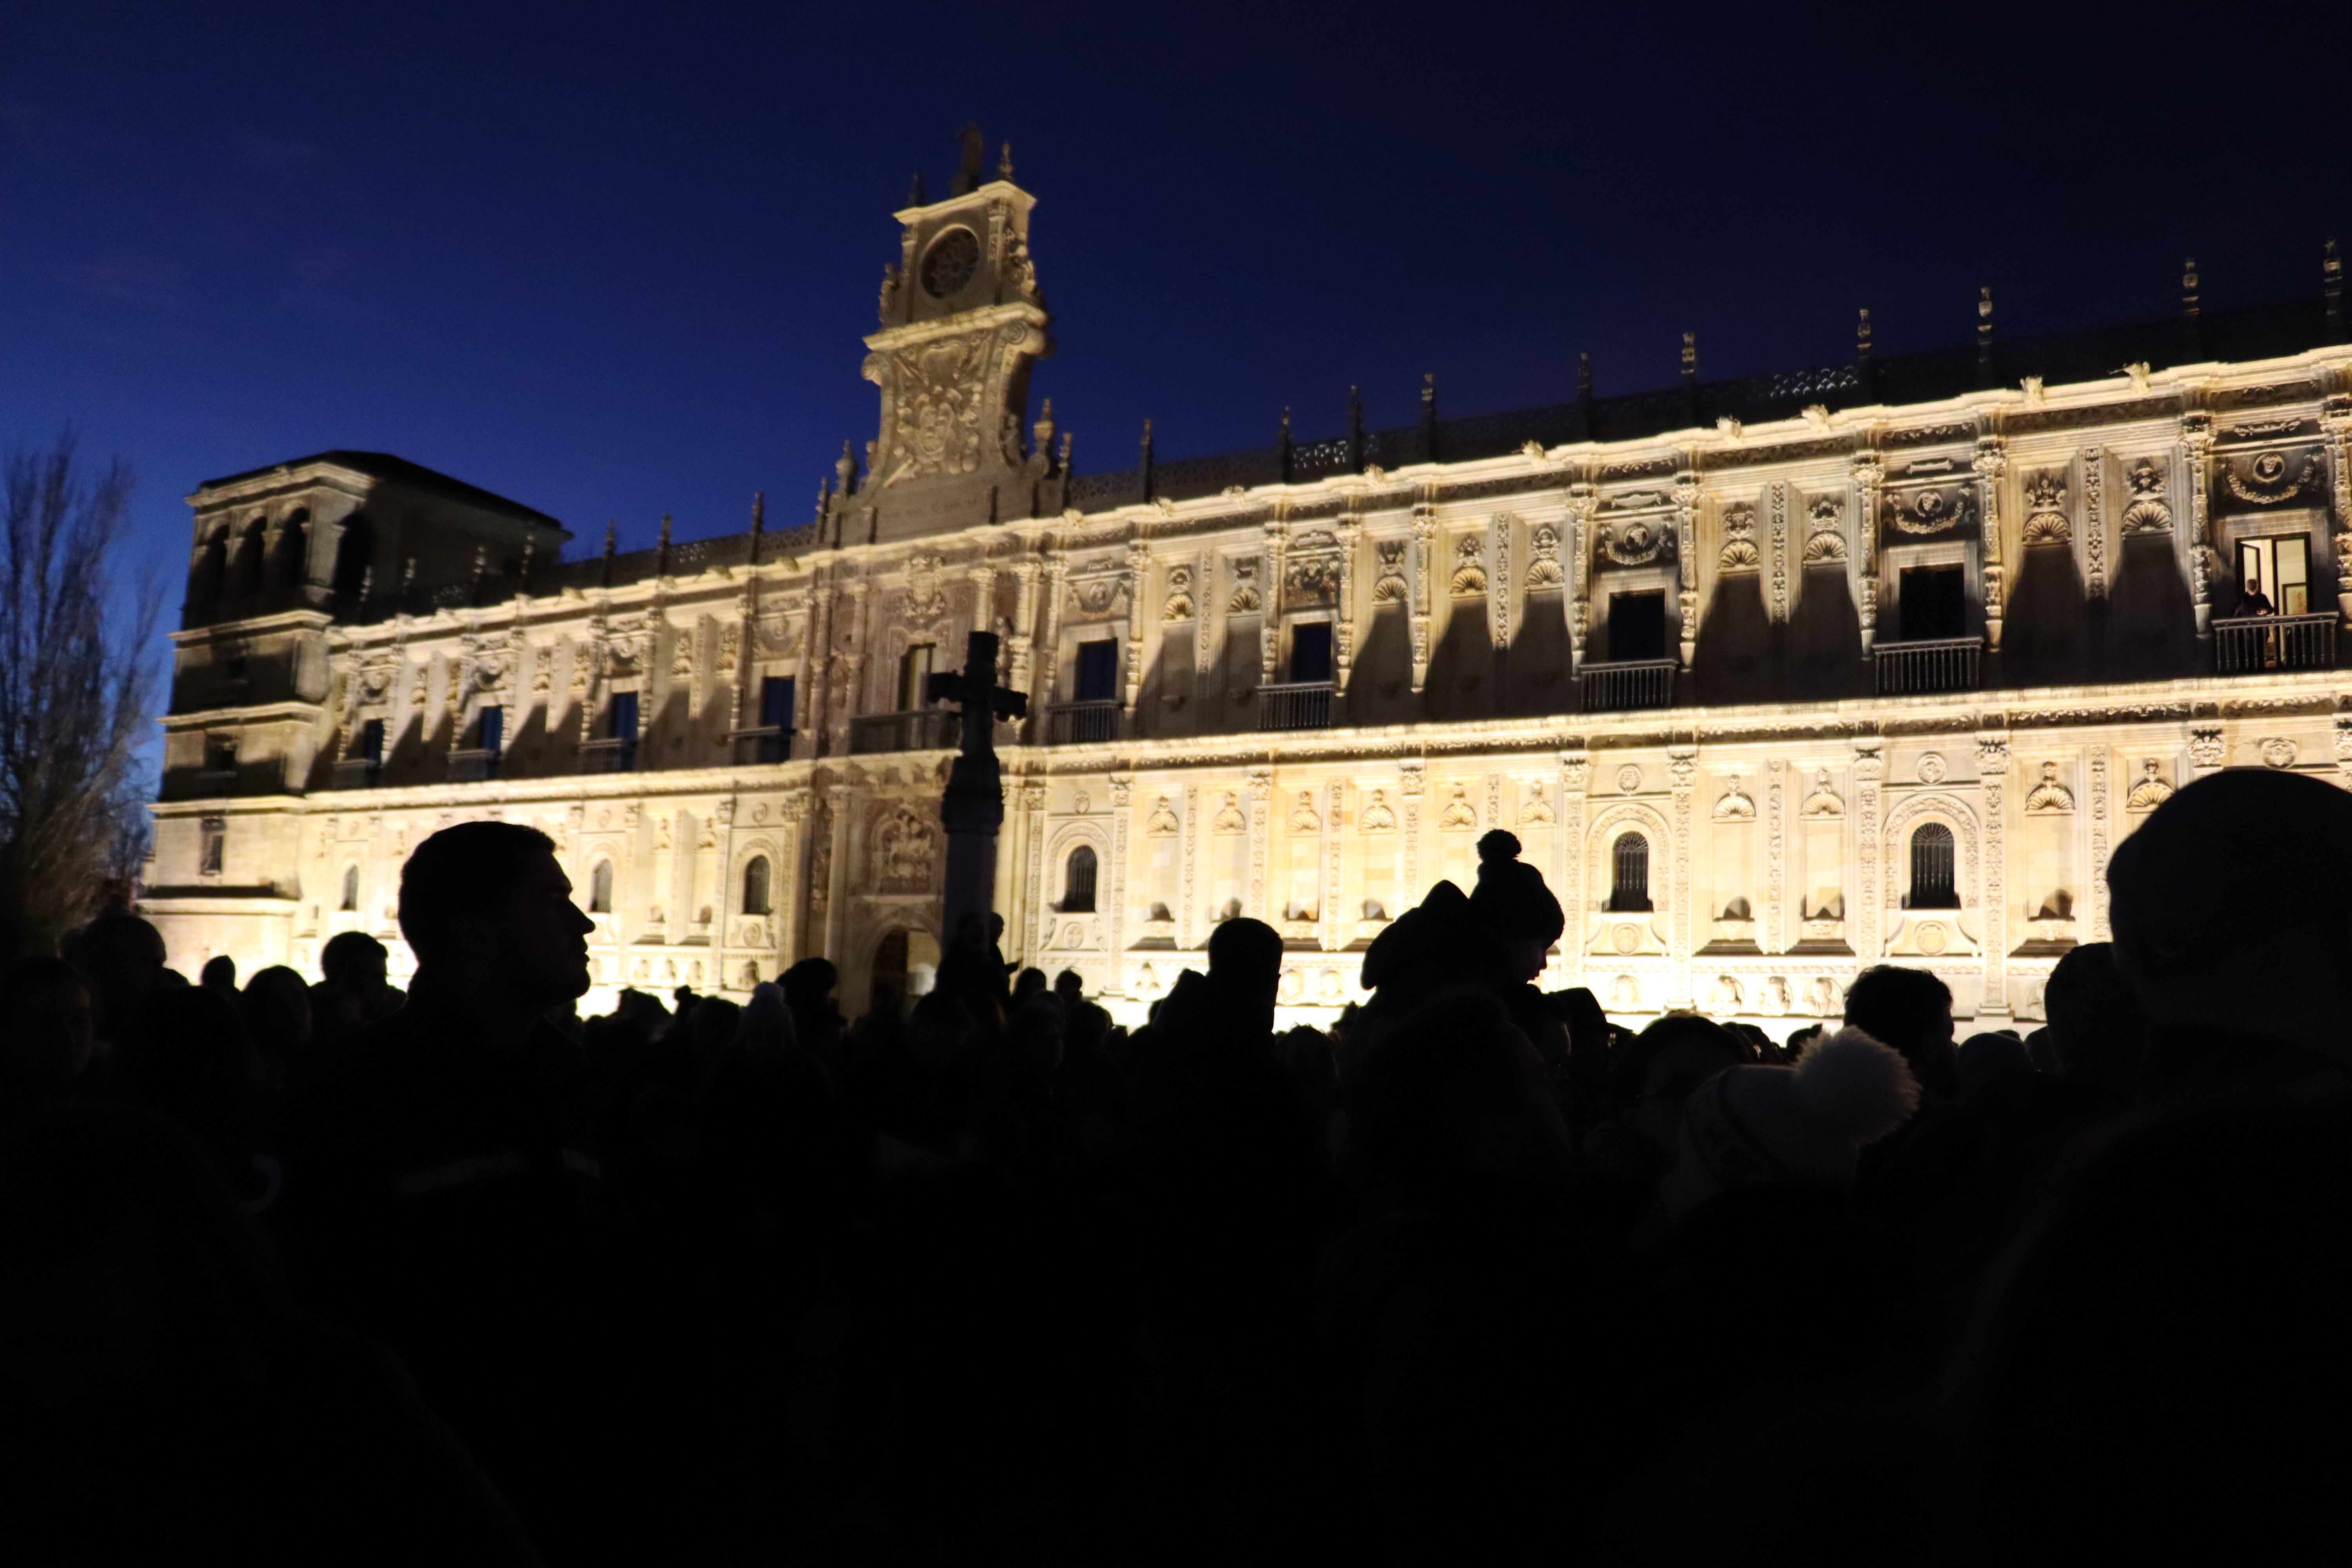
x,y
973,808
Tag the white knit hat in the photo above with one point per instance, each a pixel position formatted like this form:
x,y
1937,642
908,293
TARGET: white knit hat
x,y
1801,1126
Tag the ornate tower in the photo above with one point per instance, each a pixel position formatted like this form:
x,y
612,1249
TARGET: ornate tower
x,y
961,323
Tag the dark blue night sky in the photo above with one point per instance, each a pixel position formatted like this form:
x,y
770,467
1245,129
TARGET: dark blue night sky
x,y
618,261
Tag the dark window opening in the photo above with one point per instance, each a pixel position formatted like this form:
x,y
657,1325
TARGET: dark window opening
x,y
624,726
1931,868
1098,670
1310,651
755,886
1629,863
1935,603
1078,882
776,714
213,852
351,889
1637,627
494,729
355,554
600,889
2274,576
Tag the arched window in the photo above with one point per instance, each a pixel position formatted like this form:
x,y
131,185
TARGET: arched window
x,y
1078,882
1630,887
755,886
249,565
209,572
350,888
1931,868
600,889
294,549
355,554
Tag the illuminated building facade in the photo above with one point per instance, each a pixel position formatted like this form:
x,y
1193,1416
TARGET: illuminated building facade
x,y
1774,679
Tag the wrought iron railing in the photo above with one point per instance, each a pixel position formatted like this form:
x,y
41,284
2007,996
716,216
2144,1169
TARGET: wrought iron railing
x,y
2249,644
1632,683
613,754
1082,723
358,773
1914,668
1295,705
472,766
764,743
918,730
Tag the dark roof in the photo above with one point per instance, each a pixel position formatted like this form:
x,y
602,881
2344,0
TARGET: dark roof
x,y
2260,331
416,476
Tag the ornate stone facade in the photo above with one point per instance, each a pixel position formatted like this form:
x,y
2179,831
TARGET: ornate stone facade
x,y
1711,624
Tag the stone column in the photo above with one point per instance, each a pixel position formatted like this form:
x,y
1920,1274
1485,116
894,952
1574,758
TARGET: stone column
x,y
1992,768
2196,466
791,838
1024,625
1869,474
1261,791
1188,915
1686,497
1122,790
1575,768
1682,768
1033,913
1990,463
1043,682
1868,903
1425,533
836,901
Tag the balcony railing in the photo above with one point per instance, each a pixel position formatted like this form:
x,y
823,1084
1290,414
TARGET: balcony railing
x,y
1295,705
920,730
613,754
2249,644
1082,723
1912,669
358,773
1634,683
471,766
764,743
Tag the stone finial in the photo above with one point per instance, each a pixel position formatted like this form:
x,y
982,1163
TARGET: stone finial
x,y
1861,339
844,469
2189,287
915,196
1690,356
1005,165
2331,288
612,534
1584,373
967,178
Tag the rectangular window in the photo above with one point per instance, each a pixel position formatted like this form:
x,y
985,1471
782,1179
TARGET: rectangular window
x,y
213,848
1310,651
1637,627
494,729
776,702
915,675
624,726
2278,570
1934,605
371,741
1098,670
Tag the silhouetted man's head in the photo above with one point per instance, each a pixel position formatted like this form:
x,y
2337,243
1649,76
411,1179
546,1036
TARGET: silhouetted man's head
x,y
354,961
487,902
2207,948
1910,1010
1070,986
1245,955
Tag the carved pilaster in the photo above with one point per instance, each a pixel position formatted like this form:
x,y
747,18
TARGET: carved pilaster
x,y
1869,477
1777,507
1024,627
1351,533
1208,626
1990,463
1139,578
1682,769
1269,626
2196,469
1575,768
1033,806
1261,790
1686,497
1581,505
1498,582
1335,839
2099,844
1776,855
1424,535
1992,768
1044,682
2095,521
2335,417
1409,785
1123,791
1190,914
1866,900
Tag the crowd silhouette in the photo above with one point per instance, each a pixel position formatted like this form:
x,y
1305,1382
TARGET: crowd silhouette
x,y
326,1273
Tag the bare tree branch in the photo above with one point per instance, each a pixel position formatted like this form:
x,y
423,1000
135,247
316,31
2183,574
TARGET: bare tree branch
x,y
76,691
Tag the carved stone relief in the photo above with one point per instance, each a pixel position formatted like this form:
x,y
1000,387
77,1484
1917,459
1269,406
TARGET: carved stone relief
x,y
1469,569
1739,553
1389,584
1825,539
2150,790
2146,512
2045,511
2049,797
